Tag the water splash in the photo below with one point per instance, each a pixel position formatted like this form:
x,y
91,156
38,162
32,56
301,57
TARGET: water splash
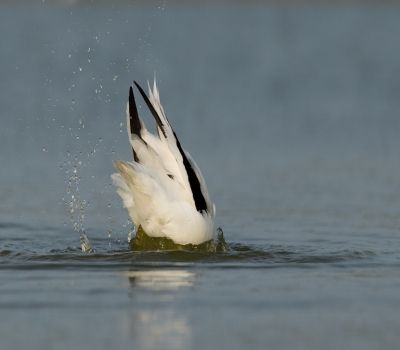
x,y
132,230
86,247
76,205
221,244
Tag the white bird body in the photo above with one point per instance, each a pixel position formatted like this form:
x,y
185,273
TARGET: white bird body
x,y
163,188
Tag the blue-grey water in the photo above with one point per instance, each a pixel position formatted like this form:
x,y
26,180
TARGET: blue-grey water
x,y
292,111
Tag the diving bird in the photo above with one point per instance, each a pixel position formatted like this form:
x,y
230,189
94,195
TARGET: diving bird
x,y
162,188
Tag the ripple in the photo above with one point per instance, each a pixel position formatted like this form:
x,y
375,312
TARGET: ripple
x,y
240,256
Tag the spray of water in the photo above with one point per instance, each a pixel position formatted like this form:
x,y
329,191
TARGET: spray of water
x,y
76,205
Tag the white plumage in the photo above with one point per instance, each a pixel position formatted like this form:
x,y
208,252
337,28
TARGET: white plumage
x,y
163,189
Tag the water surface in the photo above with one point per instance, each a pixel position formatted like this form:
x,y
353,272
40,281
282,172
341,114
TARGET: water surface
x,y
291,112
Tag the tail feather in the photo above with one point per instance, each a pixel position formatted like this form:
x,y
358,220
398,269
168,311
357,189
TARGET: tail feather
x,y
123,190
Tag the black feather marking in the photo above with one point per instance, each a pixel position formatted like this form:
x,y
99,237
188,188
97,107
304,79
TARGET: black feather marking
x,y
135,157
133,114
152,110
194,183
135,125
198,197
170,176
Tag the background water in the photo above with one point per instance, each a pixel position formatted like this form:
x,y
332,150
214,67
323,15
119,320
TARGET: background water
x,y
292,113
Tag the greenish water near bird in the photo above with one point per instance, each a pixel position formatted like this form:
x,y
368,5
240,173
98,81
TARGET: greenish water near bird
x,y
142,242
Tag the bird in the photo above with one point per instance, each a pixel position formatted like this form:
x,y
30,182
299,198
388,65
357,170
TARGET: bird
x,y
162,188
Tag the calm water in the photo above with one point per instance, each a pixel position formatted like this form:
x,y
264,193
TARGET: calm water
x,y
291,112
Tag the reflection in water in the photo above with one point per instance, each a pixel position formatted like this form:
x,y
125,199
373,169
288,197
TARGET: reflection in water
x,y
161,329
160,279
157,321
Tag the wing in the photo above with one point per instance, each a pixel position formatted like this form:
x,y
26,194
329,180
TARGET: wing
x,y
165,152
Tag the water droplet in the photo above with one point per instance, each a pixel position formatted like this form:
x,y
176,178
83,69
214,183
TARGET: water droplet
x,y
100,139
88,60
44,149
68,189
74,169
80,120
88,50
115,77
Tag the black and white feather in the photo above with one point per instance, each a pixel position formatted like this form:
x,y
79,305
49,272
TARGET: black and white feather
x,y
163,188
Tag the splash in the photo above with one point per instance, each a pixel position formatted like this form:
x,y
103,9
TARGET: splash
x,y
76,205
86,247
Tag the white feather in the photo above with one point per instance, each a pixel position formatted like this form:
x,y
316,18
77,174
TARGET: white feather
x,y
156,190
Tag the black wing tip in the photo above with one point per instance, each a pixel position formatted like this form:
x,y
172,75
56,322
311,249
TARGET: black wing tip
x,y
131,99
132,103
134,121
194,182
140,89
137,85
133,114
152,110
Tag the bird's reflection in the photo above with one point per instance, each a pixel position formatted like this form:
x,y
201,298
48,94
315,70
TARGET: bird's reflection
x,y
157,317
160,279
